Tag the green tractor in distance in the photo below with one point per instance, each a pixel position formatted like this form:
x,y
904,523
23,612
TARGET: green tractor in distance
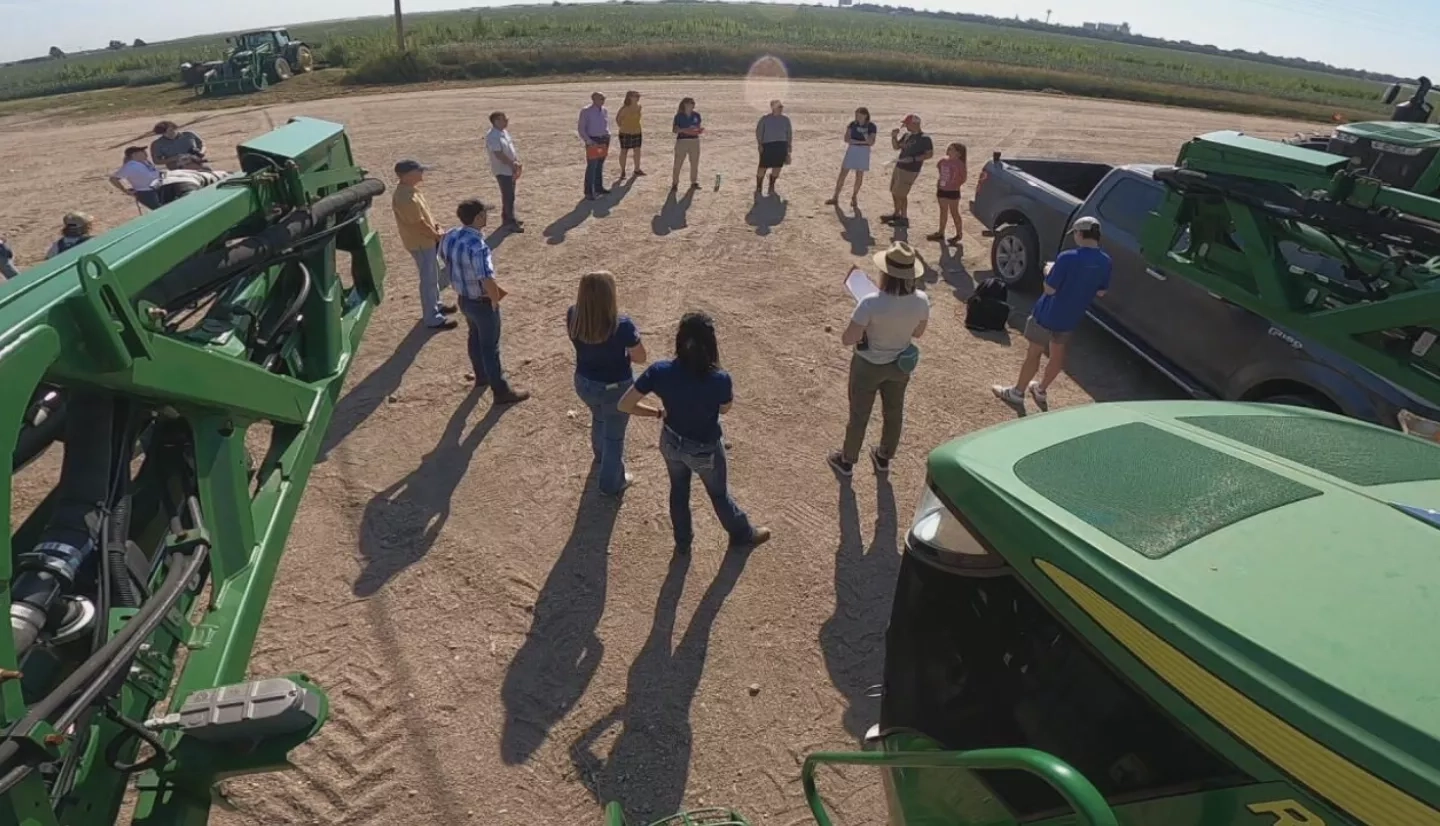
x,y
1403,152
258,59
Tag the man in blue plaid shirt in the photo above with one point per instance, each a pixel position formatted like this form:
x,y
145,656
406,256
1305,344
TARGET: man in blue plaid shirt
x,y
472,274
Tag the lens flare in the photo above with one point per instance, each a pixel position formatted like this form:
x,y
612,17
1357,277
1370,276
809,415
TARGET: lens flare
x,y
767,80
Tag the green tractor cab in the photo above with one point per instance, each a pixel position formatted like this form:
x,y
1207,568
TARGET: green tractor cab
x,y
258,59
1165,613
1401,152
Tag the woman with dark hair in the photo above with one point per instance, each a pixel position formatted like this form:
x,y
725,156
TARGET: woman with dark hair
x,y
688,130
694,392
859,137
883,330
606,343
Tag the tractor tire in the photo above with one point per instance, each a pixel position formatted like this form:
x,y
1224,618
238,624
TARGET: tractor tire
x,y
280,70
1015,257
302,59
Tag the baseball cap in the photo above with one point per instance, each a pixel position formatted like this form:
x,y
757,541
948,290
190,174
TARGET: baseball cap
x,y
1086,224
407,166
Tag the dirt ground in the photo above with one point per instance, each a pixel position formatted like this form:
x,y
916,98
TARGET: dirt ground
x,y
503,645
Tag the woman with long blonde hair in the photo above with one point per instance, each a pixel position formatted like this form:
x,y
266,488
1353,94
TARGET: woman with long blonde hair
x,y
606,344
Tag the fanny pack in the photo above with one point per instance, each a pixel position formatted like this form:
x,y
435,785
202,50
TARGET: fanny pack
x,y
908,359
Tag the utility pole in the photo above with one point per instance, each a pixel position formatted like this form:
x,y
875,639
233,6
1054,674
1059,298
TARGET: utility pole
x,y
1047,12
399,27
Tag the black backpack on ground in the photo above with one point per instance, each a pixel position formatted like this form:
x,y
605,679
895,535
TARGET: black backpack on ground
x,y
989,307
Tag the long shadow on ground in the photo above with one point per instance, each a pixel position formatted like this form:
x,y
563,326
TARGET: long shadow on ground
x,y
372,391
402,522
555,233
856,231
554,666
672,215
853,639
766,213
648,766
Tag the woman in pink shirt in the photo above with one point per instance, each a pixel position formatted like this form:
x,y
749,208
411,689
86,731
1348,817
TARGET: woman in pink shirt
x,y
952,177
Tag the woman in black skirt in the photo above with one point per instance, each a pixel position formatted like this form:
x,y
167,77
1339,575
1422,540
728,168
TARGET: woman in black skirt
x,y
627,124
773,135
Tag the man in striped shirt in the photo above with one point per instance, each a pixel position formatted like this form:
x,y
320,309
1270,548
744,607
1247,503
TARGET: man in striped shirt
x,y
472,273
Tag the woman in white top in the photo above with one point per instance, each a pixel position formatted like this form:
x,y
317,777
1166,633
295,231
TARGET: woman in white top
x,y
883,330
859,137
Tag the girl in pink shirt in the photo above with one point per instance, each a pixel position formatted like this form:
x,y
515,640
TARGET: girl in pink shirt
x,y
952,176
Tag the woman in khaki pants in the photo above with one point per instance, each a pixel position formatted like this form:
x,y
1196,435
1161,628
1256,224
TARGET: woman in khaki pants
x,y
687,131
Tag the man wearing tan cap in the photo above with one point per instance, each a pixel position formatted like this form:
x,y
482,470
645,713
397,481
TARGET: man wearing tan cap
x,y
915,149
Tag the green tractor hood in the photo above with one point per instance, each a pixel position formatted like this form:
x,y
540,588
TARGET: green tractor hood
x,y
1413,135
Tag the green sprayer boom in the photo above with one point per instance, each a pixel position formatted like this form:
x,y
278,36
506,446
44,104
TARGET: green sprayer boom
x,y
152,353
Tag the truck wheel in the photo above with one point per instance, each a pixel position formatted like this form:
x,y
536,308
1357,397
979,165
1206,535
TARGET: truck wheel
x,y
1015,256
279,70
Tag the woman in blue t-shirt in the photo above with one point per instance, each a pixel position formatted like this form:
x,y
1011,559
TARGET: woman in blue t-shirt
x,y
606,344
859,137
688,130
694,392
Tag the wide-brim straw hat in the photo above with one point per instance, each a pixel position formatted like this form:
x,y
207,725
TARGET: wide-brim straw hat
x,y
900,261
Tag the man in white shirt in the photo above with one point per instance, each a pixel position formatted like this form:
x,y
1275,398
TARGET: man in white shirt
x,y
505,164
136,177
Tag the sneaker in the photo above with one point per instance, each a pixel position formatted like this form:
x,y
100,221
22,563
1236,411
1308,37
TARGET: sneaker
x,y
881,464
899,221
955,242
513,397
639,173
885,219
624,485
935,236
445,324
448,309
838,464
1009,395
833,202
758,538
1041,397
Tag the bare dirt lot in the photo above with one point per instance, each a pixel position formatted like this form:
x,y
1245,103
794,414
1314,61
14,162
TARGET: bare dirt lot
x,y
503,645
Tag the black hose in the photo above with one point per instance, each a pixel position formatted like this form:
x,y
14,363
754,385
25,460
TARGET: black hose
x,y
266,244
86,682
122,582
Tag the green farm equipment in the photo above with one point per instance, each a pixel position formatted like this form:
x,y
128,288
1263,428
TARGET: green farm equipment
x,y
1201,613
1402,152
258,59
188,362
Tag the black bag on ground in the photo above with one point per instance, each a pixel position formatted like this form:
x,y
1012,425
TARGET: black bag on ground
x,y
989,307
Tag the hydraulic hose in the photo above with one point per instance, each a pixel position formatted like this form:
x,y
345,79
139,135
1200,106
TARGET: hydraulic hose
x,y
125,592
73,530
87,682
268,243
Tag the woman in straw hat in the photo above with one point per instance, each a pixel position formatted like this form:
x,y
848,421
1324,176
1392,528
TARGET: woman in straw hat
x,y
883,330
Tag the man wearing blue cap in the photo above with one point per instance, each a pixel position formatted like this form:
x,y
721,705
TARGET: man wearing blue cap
x,y
421,235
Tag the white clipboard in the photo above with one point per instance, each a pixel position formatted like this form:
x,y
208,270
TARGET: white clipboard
x,y
859,284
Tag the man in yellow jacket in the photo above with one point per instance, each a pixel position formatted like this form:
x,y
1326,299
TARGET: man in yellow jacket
x,y
421,234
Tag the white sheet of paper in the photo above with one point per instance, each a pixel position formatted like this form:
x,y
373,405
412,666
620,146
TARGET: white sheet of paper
x,y
859,285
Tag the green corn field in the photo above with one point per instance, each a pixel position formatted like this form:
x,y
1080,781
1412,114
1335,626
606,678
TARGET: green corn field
x,y
712,37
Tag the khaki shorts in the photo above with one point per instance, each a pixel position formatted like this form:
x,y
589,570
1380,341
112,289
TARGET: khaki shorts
x,y
1037,334
901,181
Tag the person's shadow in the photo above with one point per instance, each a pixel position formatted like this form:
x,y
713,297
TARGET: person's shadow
x,y
402,522
498,236
899,234
672,213
856,230
950,268
853,639
605,203
647,768
555,233
766,212
373,390
555,664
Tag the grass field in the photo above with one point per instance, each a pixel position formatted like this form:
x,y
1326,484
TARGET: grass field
x,y
709,38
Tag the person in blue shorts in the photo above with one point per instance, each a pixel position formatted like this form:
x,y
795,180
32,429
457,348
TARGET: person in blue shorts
x,y
1078,277
694,392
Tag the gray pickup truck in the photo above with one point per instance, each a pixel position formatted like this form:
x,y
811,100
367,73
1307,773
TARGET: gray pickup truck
x,y
1210,347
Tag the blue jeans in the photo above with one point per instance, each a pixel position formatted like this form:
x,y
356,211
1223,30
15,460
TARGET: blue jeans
x,y
607,428
595,172
507,198
484,343
684,457
429,267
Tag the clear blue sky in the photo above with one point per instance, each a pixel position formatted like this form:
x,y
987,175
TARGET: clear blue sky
x,y
1381,35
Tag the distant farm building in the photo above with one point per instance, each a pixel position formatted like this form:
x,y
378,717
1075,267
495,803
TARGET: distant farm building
x,y
1109,28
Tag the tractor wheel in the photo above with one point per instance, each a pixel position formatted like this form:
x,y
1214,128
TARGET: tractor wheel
x,y
280,70
302,60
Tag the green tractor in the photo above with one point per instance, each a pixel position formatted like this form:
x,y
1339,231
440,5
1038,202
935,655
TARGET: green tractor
x,y
1402,152
258,59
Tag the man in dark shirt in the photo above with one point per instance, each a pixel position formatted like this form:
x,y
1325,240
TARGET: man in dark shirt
x,y
174,149
915,149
